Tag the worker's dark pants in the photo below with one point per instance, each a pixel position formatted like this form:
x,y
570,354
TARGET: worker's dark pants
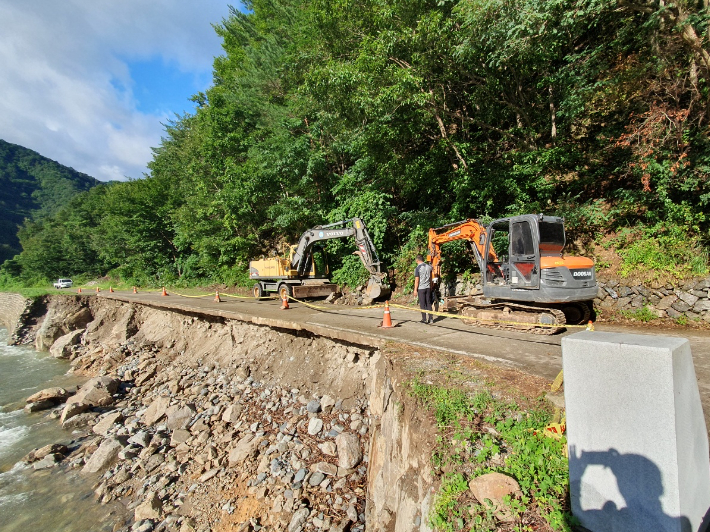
x,y
425,302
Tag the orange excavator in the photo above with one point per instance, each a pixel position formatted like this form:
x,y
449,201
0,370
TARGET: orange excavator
x,y
527,282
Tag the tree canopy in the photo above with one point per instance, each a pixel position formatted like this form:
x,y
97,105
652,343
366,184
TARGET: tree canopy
x,y
411,114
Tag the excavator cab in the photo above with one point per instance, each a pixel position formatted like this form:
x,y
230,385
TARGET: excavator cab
x,y
513,258
524,262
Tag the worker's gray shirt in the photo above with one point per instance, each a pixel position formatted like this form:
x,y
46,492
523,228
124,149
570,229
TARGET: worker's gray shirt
x,y
423,271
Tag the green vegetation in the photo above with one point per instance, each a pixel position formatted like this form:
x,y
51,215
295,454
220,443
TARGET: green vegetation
x,y
32,187
411,114
479,434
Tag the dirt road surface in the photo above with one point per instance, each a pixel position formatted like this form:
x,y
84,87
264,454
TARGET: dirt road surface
x,y
538,355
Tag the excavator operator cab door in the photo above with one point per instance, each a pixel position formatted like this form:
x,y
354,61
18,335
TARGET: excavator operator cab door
x,y
512,255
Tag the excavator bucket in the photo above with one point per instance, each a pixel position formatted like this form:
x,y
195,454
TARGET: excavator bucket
x,y
375,289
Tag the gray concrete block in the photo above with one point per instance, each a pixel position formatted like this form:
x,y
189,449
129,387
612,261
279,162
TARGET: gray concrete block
x,y
639,458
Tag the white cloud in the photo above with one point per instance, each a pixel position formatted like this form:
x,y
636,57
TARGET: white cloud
x,y
65,85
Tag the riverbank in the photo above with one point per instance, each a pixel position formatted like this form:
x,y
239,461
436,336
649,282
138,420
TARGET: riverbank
x,y
203,423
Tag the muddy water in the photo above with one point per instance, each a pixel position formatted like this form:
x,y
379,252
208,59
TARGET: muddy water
x,y
51,500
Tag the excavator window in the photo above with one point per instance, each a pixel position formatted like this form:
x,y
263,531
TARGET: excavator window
x,y
498,270
552,237
521,239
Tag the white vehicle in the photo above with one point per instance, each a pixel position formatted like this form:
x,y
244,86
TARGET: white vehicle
x,y
63,283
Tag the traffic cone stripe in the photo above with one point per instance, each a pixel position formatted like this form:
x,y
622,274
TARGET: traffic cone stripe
x,y
216,297
164,292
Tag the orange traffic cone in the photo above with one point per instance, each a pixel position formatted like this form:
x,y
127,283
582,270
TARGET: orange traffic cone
x,y
98,290
590,326
216,297
284,301
79,291
135,290
164,292
387,319
110,289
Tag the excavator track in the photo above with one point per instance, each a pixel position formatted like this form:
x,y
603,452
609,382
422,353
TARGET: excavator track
x,y
515,317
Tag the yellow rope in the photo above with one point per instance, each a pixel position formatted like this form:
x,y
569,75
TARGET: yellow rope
x,y
392,305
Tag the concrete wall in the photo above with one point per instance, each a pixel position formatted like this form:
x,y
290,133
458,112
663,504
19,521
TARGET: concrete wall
x,y
636,433
12,307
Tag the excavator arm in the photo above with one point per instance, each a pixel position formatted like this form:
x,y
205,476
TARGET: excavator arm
x,y
354,227
470,229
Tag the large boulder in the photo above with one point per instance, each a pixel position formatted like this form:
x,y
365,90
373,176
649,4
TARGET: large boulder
x,y
95,392
349,451
51,329
245,448
104,457
61,348
56,395
78,319
157,410
179,417
494,487
106,422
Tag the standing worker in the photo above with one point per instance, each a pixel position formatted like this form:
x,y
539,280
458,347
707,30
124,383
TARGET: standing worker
x,y
422,287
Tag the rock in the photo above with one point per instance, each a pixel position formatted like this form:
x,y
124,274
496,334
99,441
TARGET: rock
x,y
315,425
313,406
103,457
38,454
150,508
298,519
106,422
96,392
666,302
326,468
327,403
82,420
495,486
316,478
141,438
673,313
38,406
349,452
701,305
179,417
78,320
681,306
49,331
145,376
157,410
209,474
179,436
72,408
351,512
688,298
245,448
231,414
61,348
328,448
56,395
48,461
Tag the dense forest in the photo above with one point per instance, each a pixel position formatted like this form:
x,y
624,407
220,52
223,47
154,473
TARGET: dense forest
x,y
409,114
32,187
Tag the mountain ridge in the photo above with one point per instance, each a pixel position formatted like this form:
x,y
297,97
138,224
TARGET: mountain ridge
x,y
32,186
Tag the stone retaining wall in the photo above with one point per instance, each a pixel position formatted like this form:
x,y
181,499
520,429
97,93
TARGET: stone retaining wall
x,y
690,300
12,308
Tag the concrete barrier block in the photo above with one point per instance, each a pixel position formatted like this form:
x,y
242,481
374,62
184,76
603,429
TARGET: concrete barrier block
x,y
639,458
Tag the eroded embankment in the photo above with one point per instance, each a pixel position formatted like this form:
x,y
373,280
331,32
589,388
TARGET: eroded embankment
x,y
202,423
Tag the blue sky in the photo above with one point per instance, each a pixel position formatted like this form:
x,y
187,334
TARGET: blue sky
x,y
89,83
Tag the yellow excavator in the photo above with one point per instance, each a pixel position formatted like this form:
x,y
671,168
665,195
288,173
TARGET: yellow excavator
x,y
305,272
527,282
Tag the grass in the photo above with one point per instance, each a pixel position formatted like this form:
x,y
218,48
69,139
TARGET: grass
x,y
478,434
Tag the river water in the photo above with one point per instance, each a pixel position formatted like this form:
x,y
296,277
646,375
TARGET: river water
x,y
53,500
